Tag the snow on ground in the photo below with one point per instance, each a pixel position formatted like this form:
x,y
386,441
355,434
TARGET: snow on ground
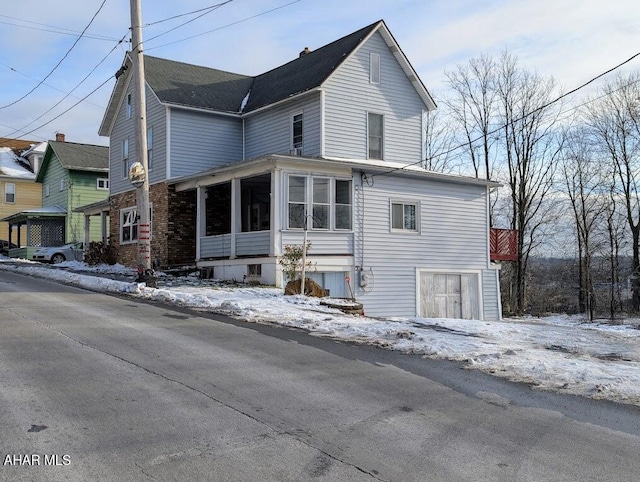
x,y
558,353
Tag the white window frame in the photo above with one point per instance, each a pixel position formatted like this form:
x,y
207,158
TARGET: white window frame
x,y
125,158
369,135
404,204
133,221
129,107
374,68
62,185
10,190
309,202
150,148
46,190
102,183
297,145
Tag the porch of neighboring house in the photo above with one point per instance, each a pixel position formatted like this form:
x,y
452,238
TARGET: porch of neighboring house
x,y
44,227
95,212
503,244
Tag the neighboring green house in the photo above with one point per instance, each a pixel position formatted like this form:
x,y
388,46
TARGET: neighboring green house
x,y
74,175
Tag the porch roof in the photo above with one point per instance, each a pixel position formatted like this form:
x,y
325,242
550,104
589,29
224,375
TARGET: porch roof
x,y
376,168
36,213
94,209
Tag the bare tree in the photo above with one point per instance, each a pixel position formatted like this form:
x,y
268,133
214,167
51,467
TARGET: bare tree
x,y
439,141
582,175
614,123
530,146
473,107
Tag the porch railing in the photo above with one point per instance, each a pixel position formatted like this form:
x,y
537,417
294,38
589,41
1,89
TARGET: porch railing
x,y
503,244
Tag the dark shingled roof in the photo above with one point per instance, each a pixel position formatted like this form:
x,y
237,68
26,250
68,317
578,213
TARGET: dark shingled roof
x,y
76,157
185,84
304,73
191,85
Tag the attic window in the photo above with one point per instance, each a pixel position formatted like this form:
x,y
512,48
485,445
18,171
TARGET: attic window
x,y
374,68
129,106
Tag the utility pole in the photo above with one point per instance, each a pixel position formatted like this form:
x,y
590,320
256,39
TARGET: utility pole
x,y
145,270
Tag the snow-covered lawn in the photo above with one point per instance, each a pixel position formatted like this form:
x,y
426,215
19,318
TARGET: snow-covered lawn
x,y
559,353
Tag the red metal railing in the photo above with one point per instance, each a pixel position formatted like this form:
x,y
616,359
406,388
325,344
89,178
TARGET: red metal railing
x,y
503,244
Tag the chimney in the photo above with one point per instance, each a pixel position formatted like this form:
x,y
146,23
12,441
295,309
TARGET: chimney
x,y
306,51
59,137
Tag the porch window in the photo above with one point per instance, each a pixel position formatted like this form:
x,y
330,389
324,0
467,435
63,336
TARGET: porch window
x,y
328,200
297,201
218,209
125,158
404,216
9,192
255,203
375,127
321,203
296,142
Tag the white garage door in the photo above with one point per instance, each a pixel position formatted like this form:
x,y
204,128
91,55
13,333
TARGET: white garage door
x,y
449,295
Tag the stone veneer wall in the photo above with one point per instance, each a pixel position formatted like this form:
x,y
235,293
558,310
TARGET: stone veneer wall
x,y
173,237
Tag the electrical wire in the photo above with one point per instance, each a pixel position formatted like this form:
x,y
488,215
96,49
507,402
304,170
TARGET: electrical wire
x,y
521,118
58,30
61,60
212,7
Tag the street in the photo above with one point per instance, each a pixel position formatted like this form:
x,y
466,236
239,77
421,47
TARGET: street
x,y
96,387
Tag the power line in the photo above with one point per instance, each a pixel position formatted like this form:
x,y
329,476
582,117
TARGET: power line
x,y
212,7
58,30
521,118
225,26
61,60
72,90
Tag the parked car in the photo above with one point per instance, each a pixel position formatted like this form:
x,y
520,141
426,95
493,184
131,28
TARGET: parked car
x,y
59,254
5,246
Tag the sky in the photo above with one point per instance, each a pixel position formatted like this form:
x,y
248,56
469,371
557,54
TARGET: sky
x,y
558,353
40,68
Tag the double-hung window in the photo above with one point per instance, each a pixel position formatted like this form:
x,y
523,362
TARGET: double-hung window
x,y
125,158
9,192
150,148
129,106
404,216
319,203
128,225
375,128
296,134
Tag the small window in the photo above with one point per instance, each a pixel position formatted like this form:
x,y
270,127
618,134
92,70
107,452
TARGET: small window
x,y
375,128
374,68
62,185
129,106
150,148
404,216
9,192
46,190
103,183
254,270
297,134
125,158
128,225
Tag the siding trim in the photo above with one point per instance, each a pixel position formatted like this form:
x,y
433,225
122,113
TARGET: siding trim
x,y
322,120
168,143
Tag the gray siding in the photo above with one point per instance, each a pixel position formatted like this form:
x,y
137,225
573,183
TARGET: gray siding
x,y
331,242
251,244
452,238
215,246
269,132
350,95
125,128
201,141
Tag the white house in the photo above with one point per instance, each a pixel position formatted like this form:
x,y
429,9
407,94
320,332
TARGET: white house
x,y
328,146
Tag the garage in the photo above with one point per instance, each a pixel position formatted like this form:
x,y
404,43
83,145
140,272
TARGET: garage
x,y
449,295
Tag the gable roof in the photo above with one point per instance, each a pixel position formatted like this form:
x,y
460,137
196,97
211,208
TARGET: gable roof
x,y
76,157
189,85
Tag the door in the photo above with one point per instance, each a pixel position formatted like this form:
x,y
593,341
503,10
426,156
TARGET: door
x,y
449,295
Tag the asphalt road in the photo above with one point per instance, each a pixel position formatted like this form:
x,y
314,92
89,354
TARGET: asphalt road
x,y
96,387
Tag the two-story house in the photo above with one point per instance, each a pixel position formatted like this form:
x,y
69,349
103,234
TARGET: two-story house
x,y
71,175
327,147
